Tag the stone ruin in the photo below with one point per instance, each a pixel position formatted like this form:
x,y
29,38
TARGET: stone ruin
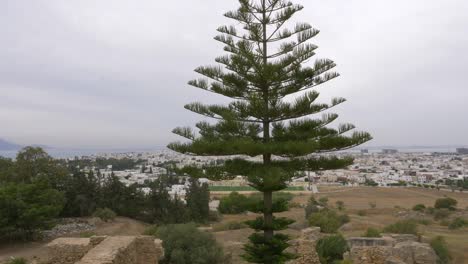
x,y
390,249
105,250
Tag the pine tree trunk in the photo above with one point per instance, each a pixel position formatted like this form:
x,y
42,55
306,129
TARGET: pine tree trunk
x,y
267,196
267,215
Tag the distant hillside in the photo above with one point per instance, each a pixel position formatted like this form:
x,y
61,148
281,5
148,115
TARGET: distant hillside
x,y
5,145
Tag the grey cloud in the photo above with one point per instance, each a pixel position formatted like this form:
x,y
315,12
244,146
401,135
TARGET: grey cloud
x,y
113,73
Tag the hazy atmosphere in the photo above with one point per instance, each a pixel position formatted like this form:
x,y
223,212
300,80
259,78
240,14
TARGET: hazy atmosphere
x,y
113,73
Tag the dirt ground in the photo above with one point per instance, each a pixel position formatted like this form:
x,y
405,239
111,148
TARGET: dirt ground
x,y
35,250
389,202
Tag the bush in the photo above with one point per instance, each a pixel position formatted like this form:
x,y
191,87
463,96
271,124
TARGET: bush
x,y
311,207
403,227
430,210
423,221
232,225
444,222
340,205
105,214
441,214
419,207
458,223
294,205
344,218
151,230
331,249
372,205
184,243
235,203
362,213
441,249
328,221
14,260
372,232
323,201
445,203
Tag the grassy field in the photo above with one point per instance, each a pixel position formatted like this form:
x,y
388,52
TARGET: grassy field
x,y
390,202
245,189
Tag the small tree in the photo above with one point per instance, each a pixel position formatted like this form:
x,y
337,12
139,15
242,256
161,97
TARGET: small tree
x,y
265,73
446,203
198,199
27,208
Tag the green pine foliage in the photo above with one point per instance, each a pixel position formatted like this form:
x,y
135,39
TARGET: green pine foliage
x,y
267,74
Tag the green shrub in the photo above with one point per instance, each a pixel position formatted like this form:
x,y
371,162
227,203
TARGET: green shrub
x,y
344,218
14,260
151,230
445,222
311,207
234,203
184,243
419,207
423,221
323,201
294,205
372,232
441,214
372,205
430,210
458,223
362,212
340,205
441,249
105,214
445,203
331,249
232,225
328,221
402,227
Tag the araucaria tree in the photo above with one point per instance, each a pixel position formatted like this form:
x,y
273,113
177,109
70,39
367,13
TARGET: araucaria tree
x,y
267,74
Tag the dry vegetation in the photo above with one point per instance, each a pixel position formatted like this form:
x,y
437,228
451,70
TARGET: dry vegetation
x,y
390,203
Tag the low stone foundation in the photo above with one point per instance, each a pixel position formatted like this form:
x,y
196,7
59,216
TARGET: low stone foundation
x,y
105,250
390,249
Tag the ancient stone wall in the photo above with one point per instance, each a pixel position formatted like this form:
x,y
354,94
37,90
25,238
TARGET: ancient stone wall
x,y
391,249
105,250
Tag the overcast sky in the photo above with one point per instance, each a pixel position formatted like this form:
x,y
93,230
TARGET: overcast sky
x,y
113,73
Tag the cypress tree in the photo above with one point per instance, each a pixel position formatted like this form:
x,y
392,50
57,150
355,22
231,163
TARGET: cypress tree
x,y
267,75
